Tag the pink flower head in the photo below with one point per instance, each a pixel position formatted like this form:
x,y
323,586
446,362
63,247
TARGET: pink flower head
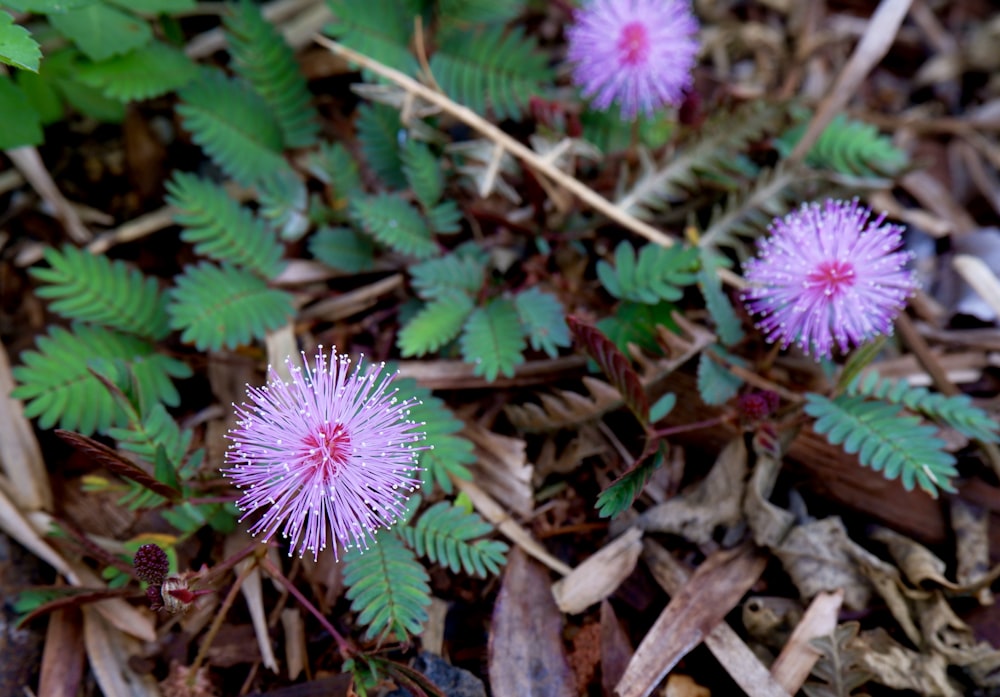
x,y
330,449
827,275
638,52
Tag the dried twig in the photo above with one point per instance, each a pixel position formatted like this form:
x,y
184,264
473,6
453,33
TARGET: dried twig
x,y
541,165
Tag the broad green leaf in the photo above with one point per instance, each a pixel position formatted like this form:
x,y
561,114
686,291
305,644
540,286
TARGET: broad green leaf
x,y
17,48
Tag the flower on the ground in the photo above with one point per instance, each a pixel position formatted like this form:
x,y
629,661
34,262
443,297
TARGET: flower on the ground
x,y
828,275
331,450
639,53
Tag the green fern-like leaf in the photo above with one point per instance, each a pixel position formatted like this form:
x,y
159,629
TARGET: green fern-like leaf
x,y
394,223
849,147
619,496
333,165
490,67
343,249
223,306
423,172
284,203
956,411
56,382
657,274
262,58
727,324
716,385
387,587
638,323
380,29
93,288
156,430
146,72
445,218
543,319
378,136
434,278
444,534
222,229
437,323
465,12
447,453
233,124
884,439
713,155
493,340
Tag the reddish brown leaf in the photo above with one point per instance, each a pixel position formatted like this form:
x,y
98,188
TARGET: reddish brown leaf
x,y
118,464
526,652
63,657
614,364
616,650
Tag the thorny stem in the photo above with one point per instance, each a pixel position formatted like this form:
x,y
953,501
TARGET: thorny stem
x,y
342,645
539,163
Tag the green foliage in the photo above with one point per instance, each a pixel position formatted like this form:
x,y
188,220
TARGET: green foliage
x,y
462,12
222,229
438,277
619,496
343,249
56,382
336,168
448,453
847,146
233,124
22,125
262,58
157,431
543,319
727,324
956,411
146,72
283,202
388,587
637,323
395,223
662,407
378,128
92,288
436,324
445,533
712,155
223,306
445,218
422,170
380,29
716,385
101,31
899,446
491,67
656,275
493,340
17,48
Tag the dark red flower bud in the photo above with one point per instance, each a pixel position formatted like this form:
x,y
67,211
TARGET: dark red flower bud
x,y
151,564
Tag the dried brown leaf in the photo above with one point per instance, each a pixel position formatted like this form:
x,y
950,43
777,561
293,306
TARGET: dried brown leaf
x,y
526,653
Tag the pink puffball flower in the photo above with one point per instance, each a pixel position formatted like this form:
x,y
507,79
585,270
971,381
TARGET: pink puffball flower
x,y
828,276
329,450
638,52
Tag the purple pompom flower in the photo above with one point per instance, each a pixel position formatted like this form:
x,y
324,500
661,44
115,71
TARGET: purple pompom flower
x,y
826,276
332,449
638,52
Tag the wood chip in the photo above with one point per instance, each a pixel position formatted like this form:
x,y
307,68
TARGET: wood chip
x,y
600,575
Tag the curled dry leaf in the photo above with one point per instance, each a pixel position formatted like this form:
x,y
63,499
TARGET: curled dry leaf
x,y
713,502
900,668
970,523
502,468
